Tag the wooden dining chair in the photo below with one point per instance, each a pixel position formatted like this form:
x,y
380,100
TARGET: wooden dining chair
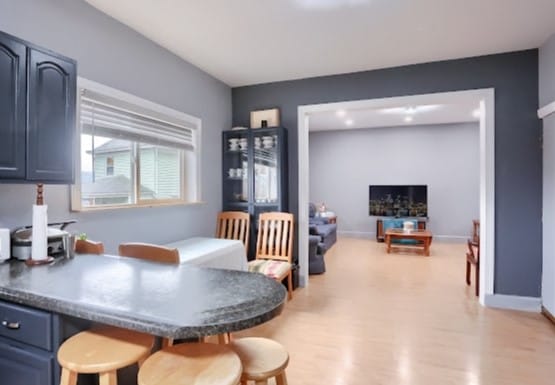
x,y
86,246
234,225
473,258
274,248
154,253
149,252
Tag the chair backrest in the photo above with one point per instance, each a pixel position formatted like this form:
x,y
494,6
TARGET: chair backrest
x,y
234,225
275,236
149,252
86,246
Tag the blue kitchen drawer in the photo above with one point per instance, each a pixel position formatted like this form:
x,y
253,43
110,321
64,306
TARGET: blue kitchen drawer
x,y
30,326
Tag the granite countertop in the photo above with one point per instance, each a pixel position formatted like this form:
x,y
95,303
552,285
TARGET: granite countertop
x,y
178,301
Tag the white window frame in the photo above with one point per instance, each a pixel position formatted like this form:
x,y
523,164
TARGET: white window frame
x,y
190,162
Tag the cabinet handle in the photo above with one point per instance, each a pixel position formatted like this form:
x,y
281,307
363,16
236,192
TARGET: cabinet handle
x,y
11,325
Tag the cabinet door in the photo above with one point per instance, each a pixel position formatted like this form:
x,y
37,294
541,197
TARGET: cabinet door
x,y
12,108
19,366
51,120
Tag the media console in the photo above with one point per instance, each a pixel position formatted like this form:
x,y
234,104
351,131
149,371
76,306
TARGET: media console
x,y
380,235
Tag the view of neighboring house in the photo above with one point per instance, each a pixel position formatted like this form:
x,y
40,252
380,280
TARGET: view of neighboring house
x,y
111,182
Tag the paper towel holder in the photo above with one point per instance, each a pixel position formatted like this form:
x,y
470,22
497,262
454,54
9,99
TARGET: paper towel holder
x,y
39,202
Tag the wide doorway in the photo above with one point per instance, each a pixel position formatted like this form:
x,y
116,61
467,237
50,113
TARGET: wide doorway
x,y
483,100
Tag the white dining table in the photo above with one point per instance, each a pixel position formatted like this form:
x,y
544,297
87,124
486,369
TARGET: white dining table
x,y
212,252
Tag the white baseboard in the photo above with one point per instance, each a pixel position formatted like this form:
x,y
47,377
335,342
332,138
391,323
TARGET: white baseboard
x,y
513,302
357,234
451,238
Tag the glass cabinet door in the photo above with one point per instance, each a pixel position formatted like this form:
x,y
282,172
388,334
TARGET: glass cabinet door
x,y
236,172
266,170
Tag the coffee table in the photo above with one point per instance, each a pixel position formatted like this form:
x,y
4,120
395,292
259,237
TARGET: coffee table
x,y
423,239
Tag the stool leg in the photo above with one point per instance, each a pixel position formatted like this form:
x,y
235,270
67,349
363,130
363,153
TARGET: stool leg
x,y
68,377
261,382
222,339
108,378
281,379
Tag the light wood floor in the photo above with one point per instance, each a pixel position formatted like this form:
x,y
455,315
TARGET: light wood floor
x,y
375,318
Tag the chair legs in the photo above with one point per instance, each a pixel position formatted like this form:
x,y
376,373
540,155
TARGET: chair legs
x,y
477,279
290,285
467,273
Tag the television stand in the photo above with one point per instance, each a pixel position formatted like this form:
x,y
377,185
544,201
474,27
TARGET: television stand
x,y
380,235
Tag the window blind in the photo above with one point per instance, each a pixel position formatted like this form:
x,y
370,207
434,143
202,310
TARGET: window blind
x,y
103,115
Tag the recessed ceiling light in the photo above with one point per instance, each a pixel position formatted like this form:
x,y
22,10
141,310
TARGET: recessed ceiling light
x,y
340,113
410,110
328,4
477,113
349,122
408,119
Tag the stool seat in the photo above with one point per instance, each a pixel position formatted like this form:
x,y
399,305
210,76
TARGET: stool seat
x,y
191,363
262,359
104,350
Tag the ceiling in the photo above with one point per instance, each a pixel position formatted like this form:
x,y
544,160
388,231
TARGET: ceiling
x,y
246,42
395,116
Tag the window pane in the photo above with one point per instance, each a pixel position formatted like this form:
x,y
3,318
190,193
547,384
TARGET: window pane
x,y
106,171
159,172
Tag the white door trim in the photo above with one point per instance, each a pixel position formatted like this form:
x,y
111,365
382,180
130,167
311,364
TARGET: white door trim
x,y
546,110
486,98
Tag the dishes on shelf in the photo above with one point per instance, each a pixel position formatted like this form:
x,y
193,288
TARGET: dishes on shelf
x,y
233,144
267,141
243,143
237,173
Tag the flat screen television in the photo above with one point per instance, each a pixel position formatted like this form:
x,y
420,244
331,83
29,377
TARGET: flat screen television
x,y
398,201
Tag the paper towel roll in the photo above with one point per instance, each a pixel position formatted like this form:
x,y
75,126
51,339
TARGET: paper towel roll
x,y
5,251
39,250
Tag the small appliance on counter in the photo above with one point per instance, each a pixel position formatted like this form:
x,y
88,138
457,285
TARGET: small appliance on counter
x,y
58,241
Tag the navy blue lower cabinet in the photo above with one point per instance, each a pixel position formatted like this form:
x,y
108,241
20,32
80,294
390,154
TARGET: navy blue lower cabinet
x,y
25,365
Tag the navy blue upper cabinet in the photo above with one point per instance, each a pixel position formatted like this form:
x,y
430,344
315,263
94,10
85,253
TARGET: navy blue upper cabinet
x,y
51,121
13,85
37,113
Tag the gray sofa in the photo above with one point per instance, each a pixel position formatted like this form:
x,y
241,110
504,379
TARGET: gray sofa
x,y
316,263
321,227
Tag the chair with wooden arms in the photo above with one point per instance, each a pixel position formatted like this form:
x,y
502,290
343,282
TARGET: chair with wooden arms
x,y
234,225
150,252
86,246
473,258
274,248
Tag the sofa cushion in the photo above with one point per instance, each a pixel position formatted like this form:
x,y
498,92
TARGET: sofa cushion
x,y
270,268
325,230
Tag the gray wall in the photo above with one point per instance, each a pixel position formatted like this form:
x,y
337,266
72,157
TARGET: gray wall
x,y
547,95
518,156
112,54
445,157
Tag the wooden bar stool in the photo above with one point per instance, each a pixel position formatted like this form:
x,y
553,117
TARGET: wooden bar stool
x,y
102,351
191,363
262,359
